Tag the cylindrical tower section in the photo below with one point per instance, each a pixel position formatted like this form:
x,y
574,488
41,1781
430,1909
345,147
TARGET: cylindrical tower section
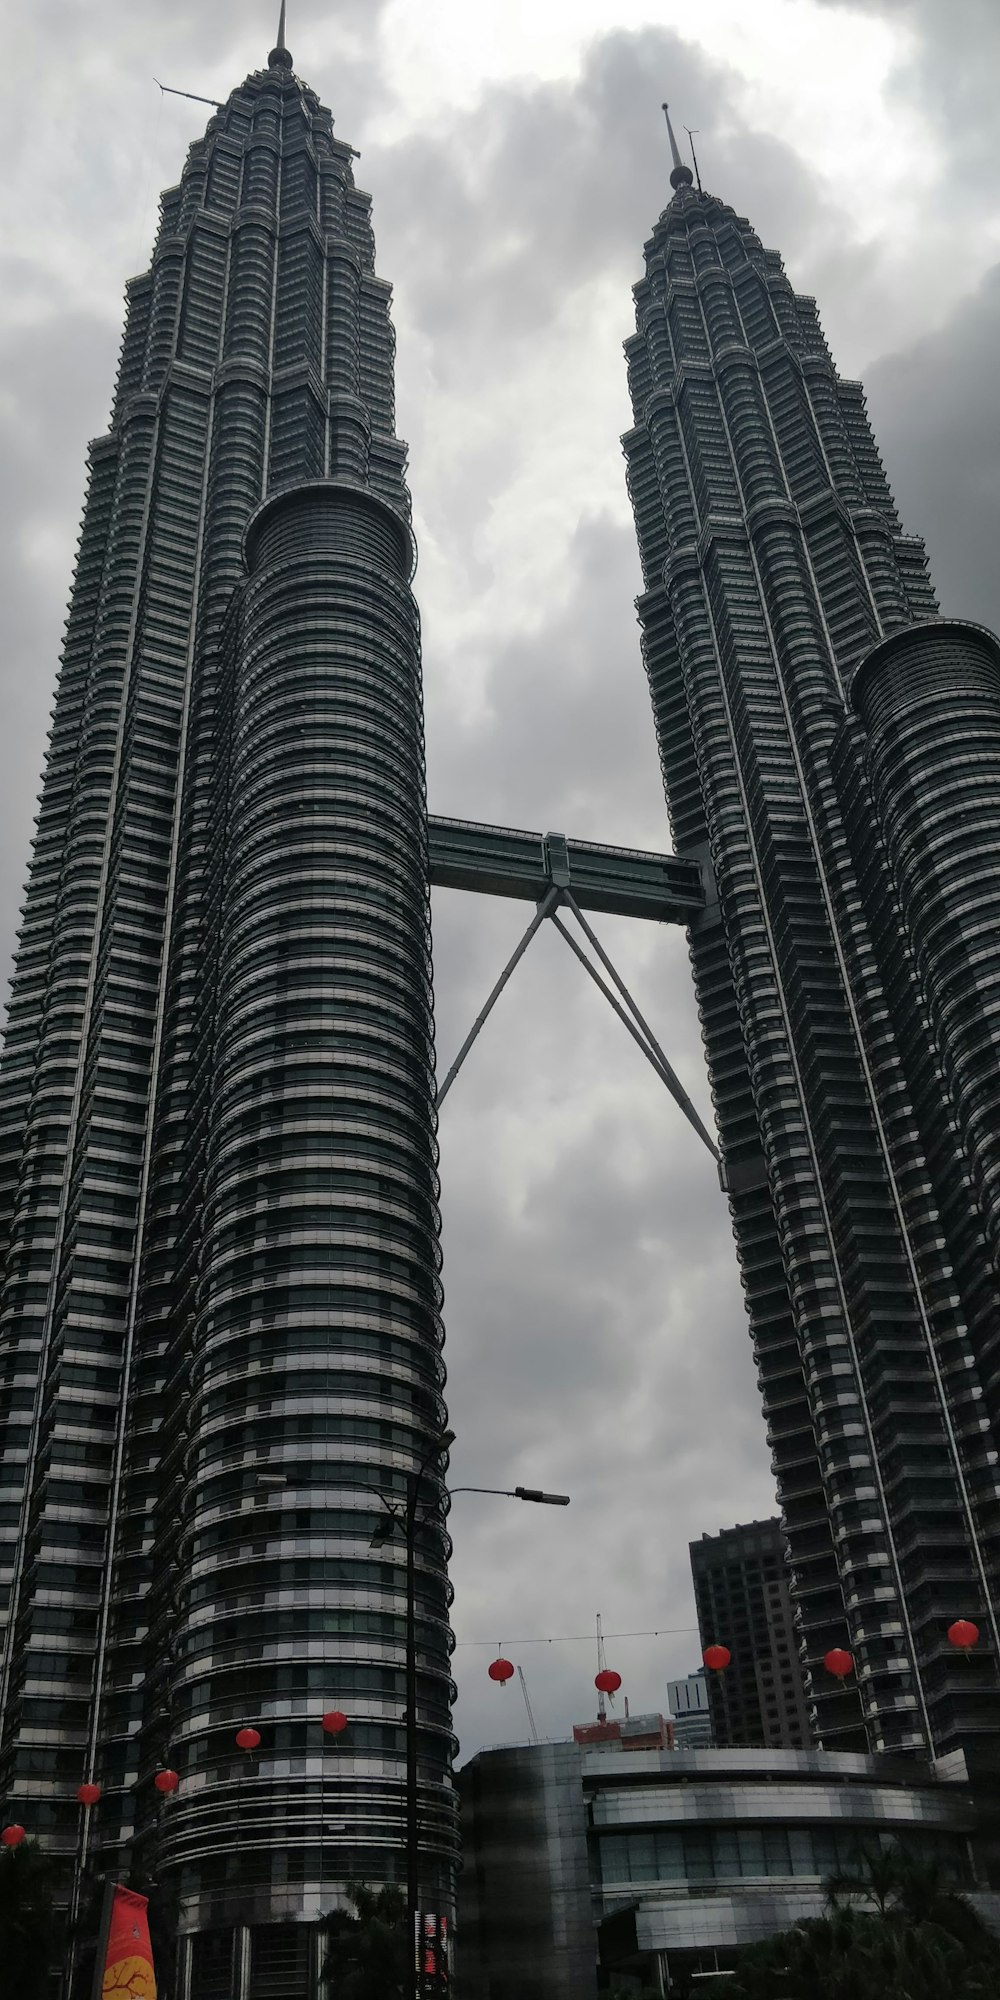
x,y
929,701
318,1375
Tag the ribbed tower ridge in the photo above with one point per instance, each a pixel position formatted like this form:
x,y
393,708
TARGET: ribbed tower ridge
x,y
773,562
218,1208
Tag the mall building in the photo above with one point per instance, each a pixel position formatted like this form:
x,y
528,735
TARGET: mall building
x,y
590,1865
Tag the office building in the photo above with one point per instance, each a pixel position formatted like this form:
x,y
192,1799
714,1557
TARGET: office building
x,y
744,1603
811,708
690,1713
586,1868
220,1326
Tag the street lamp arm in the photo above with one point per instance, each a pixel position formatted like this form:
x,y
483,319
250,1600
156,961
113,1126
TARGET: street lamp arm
x,y
505,1492
516,1493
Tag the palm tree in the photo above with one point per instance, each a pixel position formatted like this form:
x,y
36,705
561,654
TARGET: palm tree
x,y
920,1940
877,1878
925,1895
27,1881
366,1952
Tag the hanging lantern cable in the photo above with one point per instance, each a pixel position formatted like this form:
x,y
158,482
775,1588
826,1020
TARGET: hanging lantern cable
x,y
606,1681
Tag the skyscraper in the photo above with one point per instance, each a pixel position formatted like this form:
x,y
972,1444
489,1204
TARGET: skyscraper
x,y
742,1596
220,1332
844,977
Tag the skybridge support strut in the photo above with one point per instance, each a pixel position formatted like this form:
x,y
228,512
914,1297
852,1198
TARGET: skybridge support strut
x,y
545,908
672,1081
650,1047
555,859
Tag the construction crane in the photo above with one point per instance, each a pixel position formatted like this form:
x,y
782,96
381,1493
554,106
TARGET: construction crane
x,y
531,1720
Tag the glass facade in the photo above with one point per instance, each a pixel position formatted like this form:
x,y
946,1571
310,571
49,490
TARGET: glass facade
x,y
852,1118
728,1854
220,1323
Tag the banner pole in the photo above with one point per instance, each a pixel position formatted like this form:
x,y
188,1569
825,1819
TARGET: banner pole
x,y
102,1938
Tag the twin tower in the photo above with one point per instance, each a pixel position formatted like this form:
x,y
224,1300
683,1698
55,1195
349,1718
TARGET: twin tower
x,y
220,1322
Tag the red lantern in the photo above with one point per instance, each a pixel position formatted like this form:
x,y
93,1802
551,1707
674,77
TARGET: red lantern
x,y
500,1670
607,1681
334,1721
166,1781
88,1795
838,1663
12,1836
717,1658
248,1739
963,1634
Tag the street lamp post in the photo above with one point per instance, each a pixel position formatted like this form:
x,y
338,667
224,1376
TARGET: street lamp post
x,y
408,1520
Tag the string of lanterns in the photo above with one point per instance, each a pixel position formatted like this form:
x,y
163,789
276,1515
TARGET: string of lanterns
x,y
839,1663
963,1635
167,1781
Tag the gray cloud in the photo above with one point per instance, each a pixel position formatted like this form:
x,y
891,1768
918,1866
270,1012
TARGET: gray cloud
x,y
946,68
937,414
539,188
565,735
60,368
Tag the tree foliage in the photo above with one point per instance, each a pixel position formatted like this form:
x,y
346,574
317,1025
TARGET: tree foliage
x,y
916,1940
27,1884
366,1952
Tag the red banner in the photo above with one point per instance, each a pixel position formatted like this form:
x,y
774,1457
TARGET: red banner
x,y
128,1960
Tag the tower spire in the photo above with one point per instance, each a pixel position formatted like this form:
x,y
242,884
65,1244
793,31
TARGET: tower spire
x,y
279,57
680,175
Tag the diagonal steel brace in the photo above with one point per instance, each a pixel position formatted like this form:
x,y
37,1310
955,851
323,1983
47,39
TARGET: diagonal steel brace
x,y
661,1067
650,1046
638,1027
544,909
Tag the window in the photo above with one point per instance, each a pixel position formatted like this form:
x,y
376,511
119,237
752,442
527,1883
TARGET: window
x,y
701,1854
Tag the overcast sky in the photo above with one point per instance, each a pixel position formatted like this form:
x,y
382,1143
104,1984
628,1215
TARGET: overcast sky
x,y
517,159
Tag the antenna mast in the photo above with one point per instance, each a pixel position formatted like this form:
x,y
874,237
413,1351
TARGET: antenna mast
x,y
531,1720
694,156
602,1706
279,57
167,90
